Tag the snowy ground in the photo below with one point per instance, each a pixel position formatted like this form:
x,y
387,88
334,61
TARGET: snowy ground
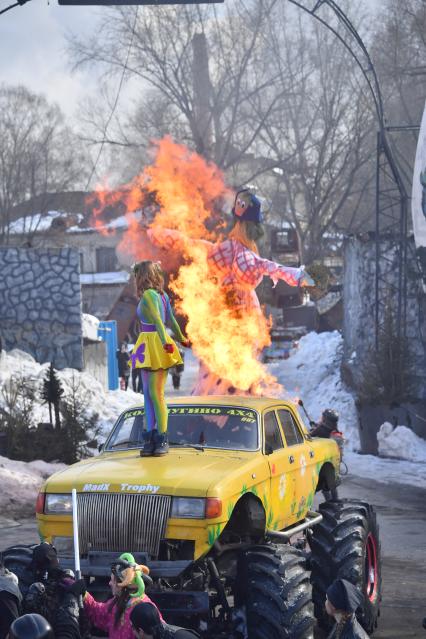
x,y
312,373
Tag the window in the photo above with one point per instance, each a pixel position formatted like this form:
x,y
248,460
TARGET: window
x,y
273,439
106,260
292,433
209,426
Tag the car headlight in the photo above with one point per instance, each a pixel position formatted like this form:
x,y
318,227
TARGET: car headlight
x,y
188,508
57,504
196,508
64,546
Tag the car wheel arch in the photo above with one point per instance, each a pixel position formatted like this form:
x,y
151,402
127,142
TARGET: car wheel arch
x,y
326,477
248,516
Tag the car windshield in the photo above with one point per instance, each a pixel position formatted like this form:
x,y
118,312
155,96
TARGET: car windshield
x,y
230,427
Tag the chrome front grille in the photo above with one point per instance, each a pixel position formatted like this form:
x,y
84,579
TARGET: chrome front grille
x,y
122,522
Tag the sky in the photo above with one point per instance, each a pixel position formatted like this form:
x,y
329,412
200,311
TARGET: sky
x,y
33,49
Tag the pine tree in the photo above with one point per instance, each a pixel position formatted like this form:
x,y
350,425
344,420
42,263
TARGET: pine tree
x,y
80,427
51,393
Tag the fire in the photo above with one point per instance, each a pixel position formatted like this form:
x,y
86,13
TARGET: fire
x,y
189,191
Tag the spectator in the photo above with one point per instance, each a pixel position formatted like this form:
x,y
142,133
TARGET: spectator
x,y
123,366
51,596
10,600
328,423
343,600
127,587
147,624
137,384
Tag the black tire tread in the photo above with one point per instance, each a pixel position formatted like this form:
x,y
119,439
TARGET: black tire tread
x,y
337,546
276,591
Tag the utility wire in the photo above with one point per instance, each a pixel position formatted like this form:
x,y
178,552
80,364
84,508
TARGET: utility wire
x,y
104,139
11,6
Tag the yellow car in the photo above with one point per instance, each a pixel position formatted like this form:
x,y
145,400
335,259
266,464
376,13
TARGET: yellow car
x,y
241,472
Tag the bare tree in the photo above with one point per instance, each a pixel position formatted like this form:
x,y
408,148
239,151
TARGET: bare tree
x,y
38,156
399,54
202,65
320,135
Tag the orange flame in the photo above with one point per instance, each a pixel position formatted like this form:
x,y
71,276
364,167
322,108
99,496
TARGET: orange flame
x,y
187,190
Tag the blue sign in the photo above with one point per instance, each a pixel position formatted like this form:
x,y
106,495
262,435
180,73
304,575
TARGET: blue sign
x,y
107,331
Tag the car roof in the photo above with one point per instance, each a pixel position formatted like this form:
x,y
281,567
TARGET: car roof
x,y
256,403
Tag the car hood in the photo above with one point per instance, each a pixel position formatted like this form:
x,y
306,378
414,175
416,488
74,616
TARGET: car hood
x,y
184,472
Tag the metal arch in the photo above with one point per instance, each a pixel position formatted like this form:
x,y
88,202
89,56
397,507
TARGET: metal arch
x,y
391,194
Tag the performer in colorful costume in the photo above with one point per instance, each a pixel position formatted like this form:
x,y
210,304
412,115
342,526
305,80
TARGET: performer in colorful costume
x,y
155,352
238,268
128,589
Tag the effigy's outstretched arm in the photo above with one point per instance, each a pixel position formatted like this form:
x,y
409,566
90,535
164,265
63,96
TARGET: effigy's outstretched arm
x,y
292,276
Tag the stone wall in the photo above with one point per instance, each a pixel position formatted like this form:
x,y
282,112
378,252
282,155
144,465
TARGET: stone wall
x,y
40,304
359,318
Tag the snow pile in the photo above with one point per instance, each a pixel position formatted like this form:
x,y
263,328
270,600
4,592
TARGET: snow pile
x,y
312,372
386,471
20,483
107,404
401,443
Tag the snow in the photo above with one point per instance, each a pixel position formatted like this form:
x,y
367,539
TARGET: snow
x,y
120,223
37,222
20,482
401,442
312,373
89,327
386,470
107,404
115,277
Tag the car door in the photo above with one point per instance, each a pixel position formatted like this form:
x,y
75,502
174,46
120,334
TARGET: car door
x,y
282,483
302,461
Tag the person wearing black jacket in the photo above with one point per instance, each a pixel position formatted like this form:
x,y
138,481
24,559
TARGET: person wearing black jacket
x,y
147,624
123,365
328,423
51,596
343,600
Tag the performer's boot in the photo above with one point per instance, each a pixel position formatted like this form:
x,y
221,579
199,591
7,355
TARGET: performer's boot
x,y
149,443
161,443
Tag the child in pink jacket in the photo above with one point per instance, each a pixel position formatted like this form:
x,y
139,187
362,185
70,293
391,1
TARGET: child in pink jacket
x,y
128,589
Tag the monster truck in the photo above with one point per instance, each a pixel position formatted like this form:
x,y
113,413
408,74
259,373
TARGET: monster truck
x,y
214,519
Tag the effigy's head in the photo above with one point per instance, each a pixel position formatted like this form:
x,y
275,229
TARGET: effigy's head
x,y
148,274
247,207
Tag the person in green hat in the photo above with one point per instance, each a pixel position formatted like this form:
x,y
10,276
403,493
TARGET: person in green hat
x,y
127,585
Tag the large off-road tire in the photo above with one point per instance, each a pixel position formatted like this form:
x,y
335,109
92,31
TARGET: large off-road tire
x,y
274,591
346,545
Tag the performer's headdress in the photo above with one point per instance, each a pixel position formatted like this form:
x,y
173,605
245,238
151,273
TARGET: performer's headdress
x,y
247,207
129,574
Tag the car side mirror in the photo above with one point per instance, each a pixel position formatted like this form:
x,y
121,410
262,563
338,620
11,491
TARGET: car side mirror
x,y
101,447
268,449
